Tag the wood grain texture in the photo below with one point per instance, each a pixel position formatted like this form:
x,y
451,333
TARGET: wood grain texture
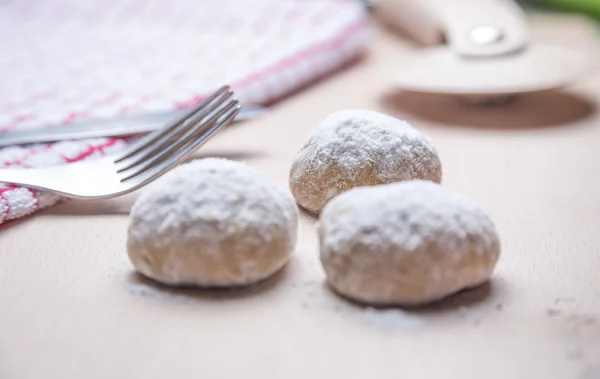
x,y
71,306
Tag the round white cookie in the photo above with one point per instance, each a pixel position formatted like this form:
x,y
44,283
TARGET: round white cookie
x,y
405,243
212,222
357,148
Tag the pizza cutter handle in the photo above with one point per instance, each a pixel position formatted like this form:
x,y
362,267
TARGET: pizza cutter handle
x,y
475,28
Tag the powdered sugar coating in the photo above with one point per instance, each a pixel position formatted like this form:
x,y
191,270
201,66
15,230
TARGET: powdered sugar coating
x,y
353,148
212,222
405,243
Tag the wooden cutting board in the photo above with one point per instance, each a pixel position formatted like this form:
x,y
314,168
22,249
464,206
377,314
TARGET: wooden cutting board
x,y
72,307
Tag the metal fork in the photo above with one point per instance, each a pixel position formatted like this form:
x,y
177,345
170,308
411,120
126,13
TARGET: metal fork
x,y
141,163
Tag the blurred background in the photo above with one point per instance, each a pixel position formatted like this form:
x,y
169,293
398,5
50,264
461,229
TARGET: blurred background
x,y
65,61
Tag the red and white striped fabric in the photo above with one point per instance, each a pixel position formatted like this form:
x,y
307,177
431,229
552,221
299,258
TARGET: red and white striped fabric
x,y
64,61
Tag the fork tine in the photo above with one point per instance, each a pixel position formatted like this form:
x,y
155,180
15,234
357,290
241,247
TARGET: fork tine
x,y
200,133
174,135
159,170
154,136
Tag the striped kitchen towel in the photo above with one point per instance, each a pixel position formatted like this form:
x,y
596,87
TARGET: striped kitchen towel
x,y
65,61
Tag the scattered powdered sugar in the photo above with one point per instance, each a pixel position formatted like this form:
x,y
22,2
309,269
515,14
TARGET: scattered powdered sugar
x,y
317,296
354,139
391,320
150,291
206,199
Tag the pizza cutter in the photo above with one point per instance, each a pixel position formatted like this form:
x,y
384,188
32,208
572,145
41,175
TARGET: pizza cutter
x,y
477,49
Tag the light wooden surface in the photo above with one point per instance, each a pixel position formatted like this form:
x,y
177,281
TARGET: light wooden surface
x,y
71,306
